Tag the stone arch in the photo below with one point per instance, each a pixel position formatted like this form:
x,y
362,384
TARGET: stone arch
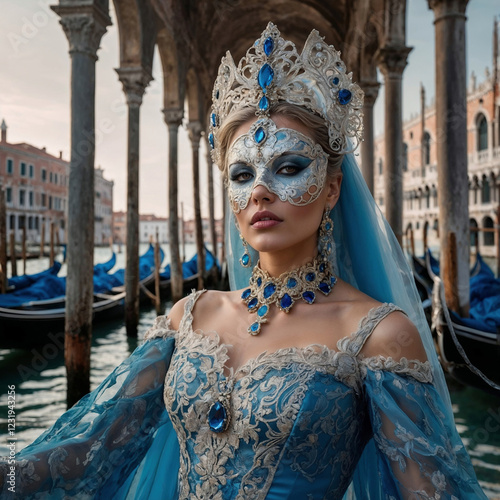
x,y
488,236
194,97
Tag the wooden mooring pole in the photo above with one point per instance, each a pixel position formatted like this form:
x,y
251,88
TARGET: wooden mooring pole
x,y
13,257
157,275
23,249
3,242
42,238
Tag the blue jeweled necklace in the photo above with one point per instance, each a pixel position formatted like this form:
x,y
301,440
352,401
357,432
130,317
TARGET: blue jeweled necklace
x,y
285,290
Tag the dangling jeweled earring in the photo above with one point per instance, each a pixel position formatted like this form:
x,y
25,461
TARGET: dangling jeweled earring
x,y
325,237
246,258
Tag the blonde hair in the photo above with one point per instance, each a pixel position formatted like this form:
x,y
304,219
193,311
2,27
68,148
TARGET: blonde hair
x,y
316,125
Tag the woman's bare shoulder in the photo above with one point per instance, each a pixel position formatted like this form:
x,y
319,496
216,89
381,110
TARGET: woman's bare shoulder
x,y
208,303
395,336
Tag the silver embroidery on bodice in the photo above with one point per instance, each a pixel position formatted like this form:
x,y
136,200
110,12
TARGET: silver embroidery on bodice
x,y
297,409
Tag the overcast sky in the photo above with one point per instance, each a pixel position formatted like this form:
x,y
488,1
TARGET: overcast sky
x,y
35,101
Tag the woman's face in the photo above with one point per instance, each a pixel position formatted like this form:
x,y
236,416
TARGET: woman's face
x,y
278,187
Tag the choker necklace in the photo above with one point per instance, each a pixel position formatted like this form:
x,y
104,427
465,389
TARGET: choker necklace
x,y
284,291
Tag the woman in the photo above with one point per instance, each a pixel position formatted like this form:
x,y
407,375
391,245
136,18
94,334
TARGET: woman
x,y
307,381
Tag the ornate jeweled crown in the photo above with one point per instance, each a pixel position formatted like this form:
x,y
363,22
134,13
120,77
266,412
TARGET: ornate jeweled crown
x,y
272,71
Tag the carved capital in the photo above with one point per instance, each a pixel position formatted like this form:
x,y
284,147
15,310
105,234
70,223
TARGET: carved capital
x,y
392,60
134,81
173,116
370,88
84,26
448,8
195,130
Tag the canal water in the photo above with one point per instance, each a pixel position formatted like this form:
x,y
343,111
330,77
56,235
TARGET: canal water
x,y
39,378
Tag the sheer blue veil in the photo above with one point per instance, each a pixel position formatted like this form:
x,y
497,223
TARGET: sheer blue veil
x,y
369,257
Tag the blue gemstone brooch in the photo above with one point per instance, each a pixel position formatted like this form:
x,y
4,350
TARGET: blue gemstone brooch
x,y
284,291
219,415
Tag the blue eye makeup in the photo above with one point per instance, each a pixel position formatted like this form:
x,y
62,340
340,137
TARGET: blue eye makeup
x,y
294,163
240,172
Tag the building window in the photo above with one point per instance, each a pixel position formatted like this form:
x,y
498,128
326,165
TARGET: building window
x,y
30,197
482,133
44,200
405,157
427,148
32,171
50,177
55,178
50,202
10,166
485,190
489,236
30,222
8,195
12,222
22,169
44,175
22,196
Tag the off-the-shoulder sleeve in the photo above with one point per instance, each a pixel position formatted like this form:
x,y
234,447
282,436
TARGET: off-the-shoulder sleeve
x,y
98,445
419,452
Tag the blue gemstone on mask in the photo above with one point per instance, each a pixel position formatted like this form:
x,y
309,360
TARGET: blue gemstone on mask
x,y
335,81
344,96
286,301
260,135
245,259
268,46
291,283
310,276
262,311
309,297
325,288
253,303
259,281
269,289
213,119
211,140
246,293
264,103
217,93
217,417
266,75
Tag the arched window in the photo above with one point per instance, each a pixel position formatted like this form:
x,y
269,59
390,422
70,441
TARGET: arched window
x,y
427,197
485,190
427,148
473,232
482,133
489,236
405,157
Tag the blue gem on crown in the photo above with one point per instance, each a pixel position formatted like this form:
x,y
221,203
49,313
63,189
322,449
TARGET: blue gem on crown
x,y
268,46
264,103
265,78
344,96
211,140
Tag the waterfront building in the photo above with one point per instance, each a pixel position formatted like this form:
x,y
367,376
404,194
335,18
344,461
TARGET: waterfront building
x,y
36,192
419,165
150,225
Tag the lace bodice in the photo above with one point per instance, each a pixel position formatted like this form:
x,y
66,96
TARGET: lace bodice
x,y
301,410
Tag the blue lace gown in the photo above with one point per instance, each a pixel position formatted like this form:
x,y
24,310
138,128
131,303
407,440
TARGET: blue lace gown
x,y
300,420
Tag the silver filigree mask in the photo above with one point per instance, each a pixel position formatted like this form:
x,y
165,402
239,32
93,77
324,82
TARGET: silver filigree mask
x,y
284,161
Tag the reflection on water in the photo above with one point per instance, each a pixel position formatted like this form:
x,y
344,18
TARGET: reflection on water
x,y
39,377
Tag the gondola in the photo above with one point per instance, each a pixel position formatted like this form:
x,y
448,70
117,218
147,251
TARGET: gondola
x,y
20,282
469,349
190,274
35,323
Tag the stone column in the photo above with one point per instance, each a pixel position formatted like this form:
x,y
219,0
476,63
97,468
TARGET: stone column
x,y
134,81
392,61
211,201
195,130
370,89
173,119
84,24
451,124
